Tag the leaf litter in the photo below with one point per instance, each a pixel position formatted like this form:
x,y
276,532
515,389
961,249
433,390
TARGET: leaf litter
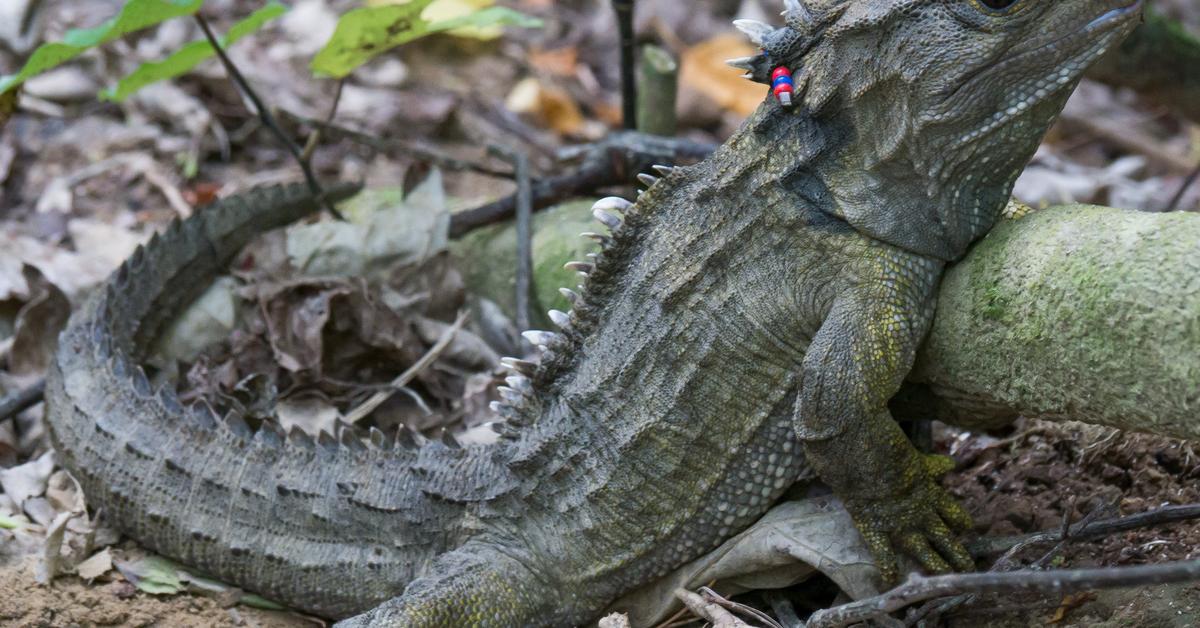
x,y
311,320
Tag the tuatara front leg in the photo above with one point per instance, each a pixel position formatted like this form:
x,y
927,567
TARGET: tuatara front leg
x,y
855,363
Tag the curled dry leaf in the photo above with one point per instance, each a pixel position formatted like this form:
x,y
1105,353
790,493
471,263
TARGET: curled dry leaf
x,y
27,480
38,323
97,565
547,105
51,564
790,543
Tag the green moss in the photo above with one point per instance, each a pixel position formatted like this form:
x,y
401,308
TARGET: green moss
x,y
488,258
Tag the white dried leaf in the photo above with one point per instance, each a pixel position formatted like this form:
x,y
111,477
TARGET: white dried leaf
x,y
99,564
51,563
790,543
27,480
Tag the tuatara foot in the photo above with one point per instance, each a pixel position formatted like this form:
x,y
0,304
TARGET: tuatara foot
x,y
919,523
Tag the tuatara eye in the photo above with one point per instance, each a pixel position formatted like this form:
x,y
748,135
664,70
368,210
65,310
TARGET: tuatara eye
x,y
998,5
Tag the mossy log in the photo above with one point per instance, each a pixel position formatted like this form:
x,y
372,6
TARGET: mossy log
x,y
1072,313
1076,313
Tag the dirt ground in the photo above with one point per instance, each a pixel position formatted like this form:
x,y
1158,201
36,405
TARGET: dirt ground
x,y
70,602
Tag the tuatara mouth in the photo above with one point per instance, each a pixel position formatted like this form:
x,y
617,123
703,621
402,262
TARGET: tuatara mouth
x,y
1115,15
1103,24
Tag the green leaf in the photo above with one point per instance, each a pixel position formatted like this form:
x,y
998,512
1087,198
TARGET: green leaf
x,y
134,16
189,56
153,574
491,16
364,33
8,523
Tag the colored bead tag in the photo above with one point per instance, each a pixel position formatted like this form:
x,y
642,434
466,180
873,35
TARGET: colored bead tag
x,y
782,85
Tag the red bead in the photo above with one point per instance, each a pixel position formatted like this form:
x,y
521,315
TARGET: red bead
x,y
781,88
780,71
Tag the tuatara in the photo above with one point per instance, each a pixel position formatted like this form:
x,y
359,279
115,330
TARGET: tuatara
x,y
747,321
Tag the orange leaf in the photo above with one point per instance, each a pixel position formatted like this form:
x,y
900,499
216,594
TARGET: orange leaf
x,y
703,69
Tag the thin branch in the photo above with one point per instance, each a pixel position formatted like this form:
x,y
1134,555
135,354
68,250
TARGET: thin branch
x,y
615,161
712,596
265,116
920,588
1183,188
1085,530
393,146
710,611
520,162
377,399
314,138
22,400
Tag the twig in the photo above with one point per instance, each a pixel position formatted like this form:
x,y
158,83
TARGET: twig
x,y
615,161
520,163
1089,530
315,137
1007,562
264,114
714,597
920,588
394,146
710,611
1183,188
375,400
624,10
22,400
1132,140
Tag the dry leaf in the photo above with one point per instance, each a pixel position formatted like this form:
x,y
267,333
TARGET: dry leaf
x,y
38,323
791,542
27,480
560,61
311,415
99,564
549,106
703,69
51,563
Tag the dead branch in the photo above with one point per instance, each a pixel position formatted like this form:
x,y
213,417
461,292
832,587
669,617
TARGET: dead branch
x,y
22,400
1085,530
395,146
265,115
614,161
375,400
920,588
710,611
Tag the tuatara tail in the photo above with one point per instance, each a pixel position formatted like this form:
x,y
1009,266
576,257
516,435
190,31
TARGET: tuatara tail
x,y
329,527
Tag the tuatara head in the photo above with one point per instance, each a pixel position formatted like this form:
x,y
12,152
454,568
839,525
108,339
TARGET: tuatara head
x,y
947,99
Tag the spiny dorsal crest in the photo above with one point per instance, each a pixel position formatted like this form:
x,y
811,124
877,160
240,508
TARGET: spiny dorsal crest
x,y
520,403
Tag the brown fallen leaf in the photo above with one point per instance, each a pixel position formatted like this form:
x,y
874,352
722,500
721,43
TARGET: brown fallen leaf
x,y
703,68
560,61
549,106
37,326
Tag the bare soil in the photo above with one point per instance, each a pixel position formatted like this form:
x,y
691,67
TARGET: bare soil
x,y
70,602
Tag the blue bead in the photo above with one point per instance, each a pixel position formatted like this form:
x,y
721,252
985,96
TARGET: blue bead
x,y
783,79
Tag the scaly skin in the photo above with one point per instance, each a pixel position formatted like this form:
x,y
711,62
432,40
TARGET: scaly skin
x,y
746,325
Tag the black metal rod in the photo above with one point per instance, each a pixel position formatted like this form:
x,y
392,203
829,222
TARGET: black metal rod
x,y
624,9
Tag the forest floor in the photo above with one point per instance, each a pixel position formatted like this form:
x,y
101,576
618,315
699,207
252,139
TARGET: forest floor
x,y
83,182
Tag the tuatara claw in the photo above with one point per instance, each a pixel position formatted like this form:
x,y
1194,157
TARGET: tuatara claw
x,y
919,523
